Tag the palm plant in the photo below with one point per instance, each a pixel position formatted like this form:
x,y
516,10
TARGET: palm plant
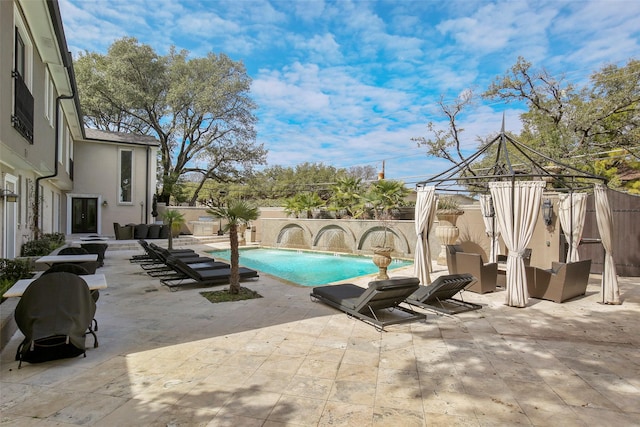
x,y
175,219
303,202
235,213
383,196
346,195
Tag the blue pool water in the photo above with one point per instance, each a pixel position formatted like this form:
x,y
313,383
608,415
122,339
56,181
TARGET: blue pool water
x,y
307,268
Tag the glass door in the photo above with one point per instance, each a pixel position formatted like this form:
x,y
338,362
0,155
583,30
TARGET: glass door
x,y
84,215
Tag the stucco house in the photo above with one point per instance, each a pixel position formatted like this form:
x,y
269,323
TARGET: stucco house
x,y
84,180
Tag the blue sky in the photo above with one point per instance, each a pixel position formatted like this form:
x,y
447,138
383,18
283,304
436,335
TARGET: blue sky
x,y
349,83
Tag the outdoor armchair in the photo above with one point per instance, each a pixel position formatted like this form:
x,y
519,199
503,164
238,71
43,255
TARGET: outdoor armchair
x,y
561,282
123,232
98,249
452,250
486,274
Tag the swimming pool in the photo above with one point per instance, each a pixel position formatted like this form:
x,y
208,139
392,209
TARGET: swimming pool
x,y
307,268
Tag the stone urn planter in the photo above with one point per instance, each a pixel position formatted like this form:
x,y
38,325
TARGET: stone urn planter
x,y
447,232
242,240
382,259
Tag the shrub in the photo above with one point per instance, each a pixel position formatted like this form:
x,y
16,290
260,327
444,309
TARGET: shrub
x,y
43,246
57,238
12,270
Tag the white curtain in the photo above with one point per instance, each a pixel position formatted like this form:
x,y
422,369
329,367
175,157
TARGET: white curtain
x,y
490,226
425,211
609,290
572,211
517,205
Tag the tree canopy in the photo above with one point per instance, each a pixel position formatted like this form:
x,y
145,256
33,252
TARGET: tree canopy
x,y
199,109
567,122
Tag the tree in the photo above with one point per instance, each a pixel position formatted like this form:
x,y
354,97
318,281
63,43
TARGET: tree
x,y
383,196
444,141
447,143
199,109
175,219
567,121
303,202
236,213
346,195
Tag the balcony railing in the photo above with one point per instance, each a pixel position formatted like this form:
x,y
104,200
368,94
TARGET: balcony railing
x,y
22,119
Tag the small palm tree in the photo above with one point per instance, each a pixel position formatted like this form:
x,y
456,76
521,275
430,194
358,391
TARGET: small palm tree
x,y
303,202
235,214
383,196
346,195
175,219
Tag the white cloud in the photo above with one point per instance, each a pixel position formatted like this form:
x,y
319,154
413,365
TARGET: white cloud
x,y
351,82
503,25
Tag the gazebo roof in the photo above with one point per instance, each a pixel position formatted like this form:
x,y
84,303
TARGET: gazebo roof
x,y
531,166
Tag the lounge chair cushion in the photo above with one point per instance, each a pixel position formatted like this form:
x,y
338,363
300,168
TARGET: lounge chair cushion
x,y
345,294
364,302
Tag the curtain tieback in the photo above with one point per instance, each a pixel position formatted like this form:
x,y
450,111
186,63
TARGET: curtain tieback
x,y
521,254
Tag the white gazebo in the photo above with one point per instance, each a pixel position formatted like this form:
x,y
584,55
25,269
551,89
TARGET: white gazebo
x,y
511,189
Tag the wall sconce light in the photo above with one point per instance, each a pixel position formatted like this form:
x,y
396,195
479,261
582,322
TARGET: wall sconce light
x,y
105,203
9,195
547,212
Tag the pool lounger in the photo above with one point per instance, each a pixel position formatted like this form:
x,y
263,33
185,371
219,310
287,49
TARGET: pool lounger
x,y
171,270
186,275
439,294
367,304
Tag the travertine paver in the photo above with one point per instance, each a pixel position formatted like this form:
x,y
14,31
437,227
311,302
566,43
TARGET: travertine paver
x,y
173,358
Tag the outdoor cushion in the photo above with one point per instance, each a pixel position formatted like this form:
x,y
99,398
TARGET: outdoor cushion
x,y
367,304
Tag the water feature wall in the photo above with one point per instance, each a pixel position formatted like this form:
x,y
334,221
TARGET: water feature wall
x,y
341,236
334,238
293,236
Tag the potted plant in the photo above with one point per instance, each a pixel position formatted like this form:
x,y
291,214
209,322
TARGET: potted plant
x,y
175,220
447,211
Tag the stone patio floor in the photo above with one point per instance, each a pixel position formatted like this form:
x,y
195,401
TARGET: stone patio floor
x,y
175,359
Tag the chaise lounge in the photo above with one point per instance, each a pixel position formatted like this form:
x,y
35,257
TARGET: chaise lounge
x,y
367,304
439,295
185,275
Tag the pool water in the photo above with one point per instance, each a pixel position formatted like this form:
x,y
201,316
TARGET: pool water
x,y
307,268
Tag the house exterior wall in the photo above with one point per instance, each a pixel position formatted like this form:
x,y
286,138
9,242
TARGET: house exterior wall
x,y
22,161
96,174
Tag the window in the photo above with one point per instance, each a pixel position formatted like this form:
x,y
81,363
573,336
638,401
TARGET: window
x,y
62,134
126,176
22,117
23,49
49,98
20,55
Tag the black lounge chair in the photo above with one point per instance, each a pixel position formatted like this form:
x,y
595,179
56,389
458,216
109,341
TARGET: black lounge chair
x,y
204,263
156,261
439,295
185,275
366,304
171,268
